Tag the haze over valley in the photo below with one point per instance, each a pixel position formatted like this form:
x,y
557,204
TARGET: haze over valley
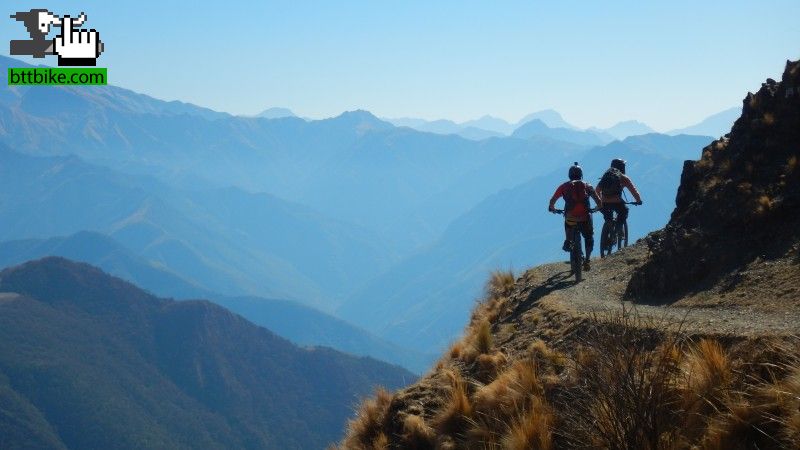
x,y
349,215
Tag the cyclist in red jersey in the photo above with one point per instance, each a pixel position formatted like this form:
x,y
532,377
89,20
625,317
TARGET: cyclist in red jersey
x,y
576,194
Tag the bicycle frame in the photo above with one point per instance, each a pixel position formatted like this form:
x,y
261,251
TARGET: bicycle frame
x,y
617,235
576,248
576,253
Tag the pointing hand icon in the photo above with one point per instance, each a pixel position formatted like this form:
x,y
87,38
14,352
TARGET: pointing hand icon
x,y
77,47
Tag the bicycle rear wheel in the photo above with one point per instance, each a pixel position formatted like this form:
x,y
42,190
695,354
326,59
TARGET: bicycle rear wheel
x,y
619,235
625,232
605,238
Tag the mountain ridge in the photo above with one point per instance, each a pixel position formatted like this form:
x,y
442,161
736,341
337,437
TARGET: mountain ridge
x,y
537,127
276,113
90,351
714,125
199,235
300,324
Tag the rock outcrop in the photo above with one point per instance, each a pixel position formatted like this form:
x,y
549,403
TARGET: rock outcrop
x,y
738,203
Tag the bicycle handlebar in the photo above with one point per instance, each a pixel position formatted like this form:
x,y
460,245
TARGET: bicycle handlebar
x,y
561,211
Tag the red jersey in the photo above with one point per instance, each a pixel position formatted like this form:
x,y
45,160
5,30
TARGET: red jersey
x,y
577,208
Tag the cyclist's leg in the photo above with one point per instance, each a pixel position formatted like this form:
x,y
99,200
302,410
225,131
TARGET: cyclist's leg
x,y
622,212
622,219
587,230
567,237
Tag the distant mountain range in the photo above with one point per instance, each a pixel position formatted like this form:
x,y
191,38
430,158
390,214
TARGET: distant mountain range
x,y
364,193
715,125
323,164
444,126
549,117
484,127
488,126
222,240
628,128
538,128
90,361
276,113
313,211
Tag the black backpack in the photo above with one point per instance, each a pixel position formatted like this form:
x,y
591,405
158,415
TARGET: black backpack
x,y
575,193
611,182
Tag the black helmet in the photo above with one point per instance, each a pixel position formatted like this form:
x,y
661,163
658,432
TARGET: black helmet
x,y
618,164
575,172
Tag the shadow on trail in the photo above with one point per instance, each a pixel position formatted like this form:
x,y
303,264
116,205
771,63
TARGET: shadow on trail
x,y
560,280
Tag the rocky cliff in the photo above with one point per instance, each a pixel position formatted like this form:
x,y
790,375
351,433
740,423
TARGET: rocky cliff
x,y
737,204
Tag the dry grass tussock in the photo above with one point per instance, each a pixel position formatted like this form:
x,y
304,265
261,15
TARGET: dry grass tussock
x,y
482,340
511,412
417,435
621,391
495,302
532,430
706,381
501,284
763,411
457,412
476,348
366,430
623,383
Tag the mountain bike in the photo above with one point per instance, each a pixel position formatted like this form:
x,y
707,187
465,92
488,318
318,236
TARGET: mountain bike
x,y
576,249
615,232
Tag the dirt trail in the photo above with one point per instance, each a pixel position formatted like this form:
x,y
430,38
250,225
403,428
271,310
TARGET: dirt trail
x,y
551,288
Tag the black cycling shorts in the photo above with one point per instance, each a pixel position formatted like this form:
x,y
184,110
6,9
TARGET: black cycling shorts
x,y
620,208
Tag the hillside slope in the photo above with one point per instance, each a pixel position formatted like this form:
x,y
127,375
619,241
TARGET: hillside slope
x,y
90,361
300,324
223,240
103,252
549,363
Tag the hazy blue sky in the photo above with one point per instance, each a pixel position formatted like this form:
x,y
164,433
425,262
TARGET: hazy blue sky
x,y
667,63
